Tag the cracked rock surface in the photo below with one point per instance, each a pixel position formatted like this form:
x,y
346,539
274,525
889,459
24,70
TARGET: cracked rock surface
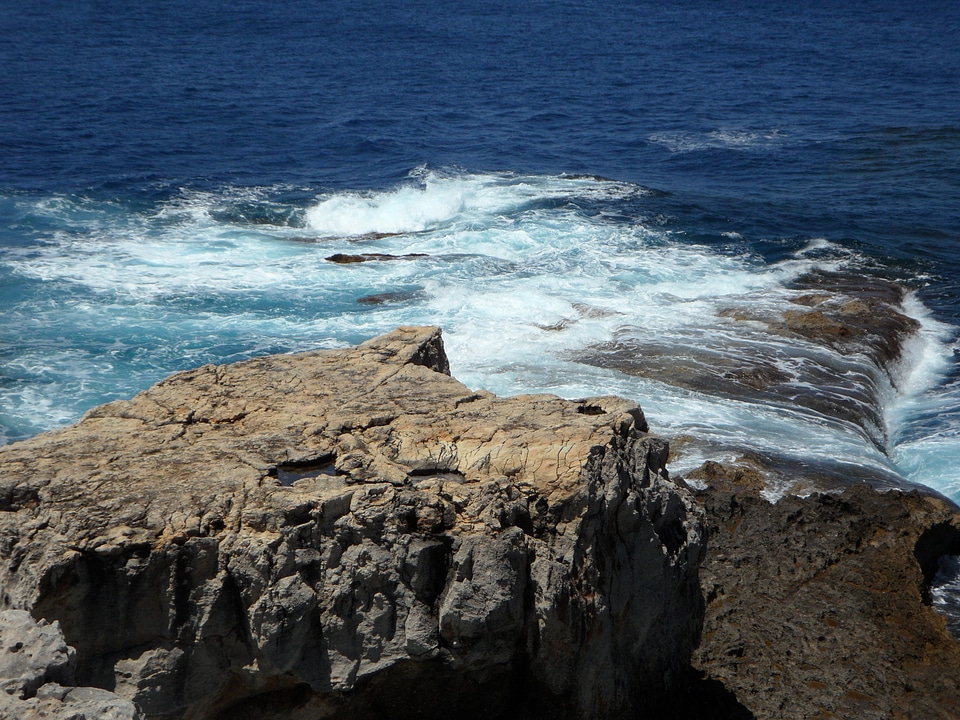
x,y
354,533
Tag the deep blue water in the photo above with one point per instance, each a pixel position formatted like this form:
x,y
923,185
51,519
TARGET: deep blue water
x,y
172,176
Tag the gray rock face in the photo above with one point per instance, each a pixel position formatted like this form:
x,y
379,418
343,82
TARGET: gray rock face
x,y
32,654
354,533
36,670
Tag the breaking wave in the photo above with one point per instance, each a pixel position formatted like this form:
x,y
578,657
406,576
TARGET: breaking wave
x,y
552,284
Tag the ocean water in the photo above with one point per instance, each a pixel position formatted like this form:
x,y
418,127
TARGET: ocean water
x,y
556,179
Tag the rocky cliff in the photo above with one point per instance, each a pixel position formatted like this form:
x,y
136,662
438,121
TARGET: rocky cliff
x,y
347,534
818,606
354,533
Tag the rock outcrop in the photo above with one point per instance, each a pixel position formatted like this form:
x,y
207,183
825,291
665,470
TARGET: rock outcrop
x,y
818,607
354,533
830,350
37,675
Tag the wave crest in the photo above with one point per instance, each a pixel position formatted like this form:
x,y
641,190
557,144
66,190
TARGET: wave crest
x,y
405,210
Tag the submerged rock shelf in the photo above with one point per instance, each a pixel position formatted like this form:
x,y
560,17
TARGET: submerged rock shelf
x,y
354,533
828,351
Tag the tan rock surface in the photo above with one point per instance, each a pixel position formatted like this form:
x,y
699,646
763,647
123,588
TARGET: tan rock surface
x,y
355,533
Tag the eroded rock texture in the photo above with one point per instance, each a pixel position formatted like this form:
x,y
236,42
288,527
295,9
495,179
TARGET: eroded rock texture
x,y
37,675
817,607
356,534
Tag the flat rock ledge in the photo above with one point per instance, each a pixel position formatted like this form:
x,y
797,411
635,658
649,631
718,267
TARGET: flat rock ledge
x,y
354,533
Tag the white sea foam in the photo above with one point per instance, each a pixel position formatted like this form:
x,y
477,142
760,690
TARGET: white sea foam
x,y
398,211
431,203
522,272
926,356
921,415
721,138
945,590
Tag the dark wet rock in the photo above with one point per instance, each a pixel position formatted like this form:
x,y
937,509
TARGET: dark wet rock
x,y
735,476
853,314
387,298
355,534
775,475
775,374
558,326
583,311
818,607
344,259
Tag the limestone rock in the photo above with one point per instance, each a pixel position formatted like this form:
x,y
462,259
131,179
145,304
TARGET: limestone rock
x,y
54,702
35,665
31,654
354,533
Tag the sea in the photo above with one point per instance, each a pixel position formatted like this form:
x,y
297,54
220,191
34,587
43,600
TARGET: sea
x,y
545,180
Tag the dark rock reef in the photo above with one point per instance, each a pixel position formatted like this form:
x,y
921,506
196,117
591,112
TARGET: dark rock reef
x,y
828,350
354,533
344,259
